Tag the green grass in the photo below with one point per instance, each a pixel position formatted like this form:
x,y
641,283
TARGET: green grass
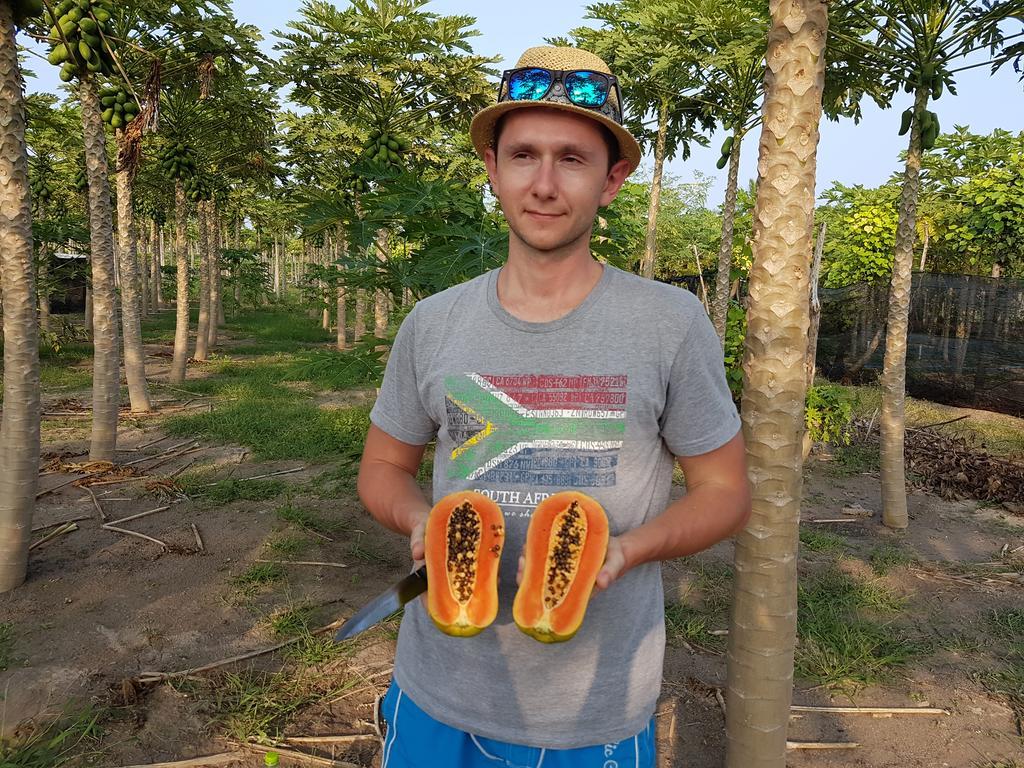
x,y
853,459
290,620
287,546
334,370
198,484
316,650
57,744
843,643
6,644
308,520
703,608
281,429
257,577
255,706
817,540
885,557
55,378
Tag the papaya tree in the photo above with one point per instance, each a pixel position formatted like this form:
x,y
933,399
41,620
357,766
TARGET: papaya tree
x,y
723,44
763,630
80,46
396,72
920,47
19,429
651,66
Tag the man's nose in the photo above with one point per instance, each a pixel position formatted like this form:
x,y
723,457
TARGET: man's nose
x,y
544,181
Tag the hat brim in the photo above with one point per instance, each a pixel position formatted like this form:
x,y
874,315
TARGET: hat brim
x,y
481,130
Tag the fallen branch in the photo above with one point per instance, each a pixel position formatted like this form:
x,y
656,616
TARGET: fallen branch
x,y
96,503
155,677
72,480
939,423
872,710
822,745
295,755
44,526
193,395
174,456
223,758
140,514
152,443
158,455
66,528
199,539
257,477
835,520
303,562
133,533
182,468
347,738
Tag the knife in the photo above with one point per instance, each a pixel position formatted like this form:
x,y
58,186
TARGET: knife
x,y
384,604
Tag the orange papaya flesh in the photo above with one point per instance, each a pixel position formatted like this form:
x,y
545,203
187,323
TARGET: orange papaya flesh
x,y
462,544
566,544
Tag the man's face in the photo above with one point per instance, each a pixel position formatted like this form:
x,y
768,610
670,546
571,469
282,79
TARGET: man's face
x,y
550,173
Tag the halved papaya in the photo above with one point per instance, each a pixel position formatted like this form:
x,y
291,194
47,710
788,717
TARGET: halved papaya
x,y
462,546
565,548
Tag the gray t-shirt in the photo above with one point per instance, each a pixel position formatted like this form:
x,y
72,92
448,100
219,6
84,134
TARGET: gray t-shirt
x,y
598,401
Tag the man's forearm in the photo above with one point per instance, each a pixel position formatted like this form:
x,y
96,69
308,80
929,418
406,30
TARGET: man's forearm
x,y
703,517
392,496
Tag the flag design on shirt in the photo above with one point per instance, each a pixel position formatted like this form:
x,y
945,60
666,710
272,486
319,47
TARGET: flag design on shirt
x,y
536,429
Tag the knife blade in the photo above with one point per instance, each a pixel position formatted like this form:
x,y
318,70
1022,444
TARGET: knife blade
x,y
384,604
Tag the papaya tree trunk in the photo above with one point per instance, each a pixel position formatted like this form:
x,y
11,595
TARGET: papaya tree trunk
x,y
142,262
88,310
105,373
651,243
180,359
924,250
277,269
815,307
156,274
19,428
360,310
214,275
720,306
380,309
894,368
341,252
218,252
131,326
43,284
203,326
763,632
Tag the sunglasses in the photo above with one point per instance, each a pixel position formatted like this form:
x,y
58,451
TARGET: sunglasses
x,y
582,87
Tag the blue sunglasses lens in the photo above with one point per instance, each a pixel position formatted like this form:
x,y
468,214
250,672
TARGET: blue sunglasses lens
x,y
529,84
587,89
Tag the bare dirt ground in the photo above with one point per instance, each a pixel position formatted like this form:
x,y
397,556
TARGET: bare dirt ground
x,y
102,610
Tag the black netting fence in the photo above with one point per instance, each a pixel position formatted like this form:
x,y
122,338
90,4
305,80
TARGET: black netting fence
x,y
965,342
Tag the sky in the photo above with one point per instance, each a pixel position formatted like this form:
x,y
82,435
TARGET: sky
x,y
866,153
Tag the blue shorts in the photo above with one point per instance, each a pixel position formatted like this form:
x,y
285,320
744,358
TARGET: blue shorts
x,y
413,739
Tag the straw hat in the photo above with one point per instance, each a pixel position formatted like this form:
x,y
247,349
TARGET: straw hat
x,y
550,57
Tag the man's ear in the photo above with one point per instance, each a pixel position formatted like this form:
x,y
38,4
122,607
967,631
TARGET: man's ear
x,y
613,182
491,163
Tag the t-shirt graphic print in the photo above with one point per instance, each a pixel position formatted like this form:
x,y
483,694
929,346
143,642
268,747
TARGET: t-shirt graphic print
x,y
534,430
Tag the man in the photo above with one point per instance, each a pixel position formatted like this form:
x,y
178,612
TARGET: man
x,y
554,372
